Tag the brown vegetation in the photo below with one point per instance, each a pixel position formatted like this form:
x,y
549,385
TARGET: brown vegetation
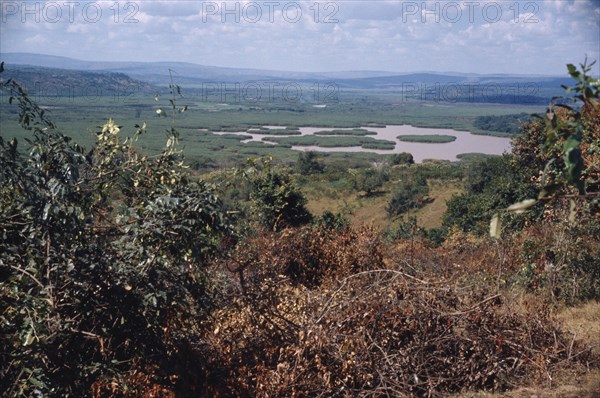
x,y
322,313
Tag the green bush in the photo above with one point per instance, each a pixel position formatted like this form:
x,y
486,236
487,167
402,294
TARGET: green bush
x,y
276,201
102,267
331,221
408,195
492,184
308,163
402,158
369,180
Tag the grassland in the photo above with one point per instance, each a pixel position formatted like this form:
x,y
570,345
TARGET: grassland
x,y
354,132
80,117
473,156
267,131
333,191
428,139
333,142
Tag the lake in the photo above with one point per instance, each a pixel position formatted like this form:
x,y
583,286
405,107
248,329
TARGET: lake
x,y
465,142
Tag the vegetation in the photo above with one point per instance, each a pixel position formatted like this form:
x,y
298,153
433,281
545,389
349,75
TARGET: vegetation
x,y
355,108
275,199
408,195
369,180
126,274
402,158
473,156
267,131
54,83
492,184
429,139
103,260
503,123
308,163
358,132
332,142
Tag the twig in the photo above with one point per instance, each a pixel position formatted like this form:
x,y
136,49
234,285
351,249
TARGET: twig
x,y
571,346
473,308
29,275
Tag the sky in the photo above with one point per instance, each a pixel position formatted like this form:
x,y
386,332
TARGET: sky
x,y
478,36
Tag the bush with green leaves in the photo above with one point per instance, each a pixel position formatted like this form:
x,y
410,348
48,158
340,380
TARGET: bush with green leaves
x,y
402,158
331,221
275,200
102,266
492,184
308,163
370,180
563,149
408,195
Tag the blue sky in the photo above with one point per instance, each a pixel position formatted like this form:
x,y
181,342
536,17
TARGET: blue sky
x,y
479,36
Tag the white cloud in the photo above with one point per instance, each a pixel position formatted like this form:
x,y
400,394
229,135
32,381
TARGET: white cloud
x,y
382,35
36,40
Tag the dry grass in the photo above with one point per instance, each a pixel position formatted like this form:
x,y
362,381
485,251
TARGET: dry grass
x,y
430,216
372,210
584,323
575,382
567,384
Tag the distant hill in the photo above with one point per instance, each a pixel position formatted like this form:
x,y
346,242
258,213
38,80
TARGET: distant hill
x,y
512,88
74,83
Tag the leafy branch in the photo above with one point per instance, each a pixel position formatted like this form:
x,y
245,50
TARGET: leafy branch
x,y
565,167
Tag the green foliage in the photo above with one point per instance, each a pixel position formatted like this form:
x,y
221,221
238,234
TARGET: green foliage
x,y
369,180
402,158
559,141
501,123
473,156
408,195
356,132
331,221
407,229
308,163
564,135
103,258
268,131
332,141
276,201
492,184
428,139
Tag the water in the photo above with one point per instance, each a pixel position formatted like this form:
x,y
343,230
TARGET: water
x,y
465,142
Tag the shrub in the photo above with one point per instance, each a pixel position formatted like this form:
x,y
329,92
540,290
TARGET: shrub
x,y
408,195
402,158
492,184
308,163
330,221
276,201
334,317
369,180
102,267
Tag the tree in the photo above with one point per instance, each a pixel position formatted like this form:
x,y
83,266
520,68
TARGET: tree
x,y
308,163
276,201
492,184
408,195
565,142
402,158
370,180
111,289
